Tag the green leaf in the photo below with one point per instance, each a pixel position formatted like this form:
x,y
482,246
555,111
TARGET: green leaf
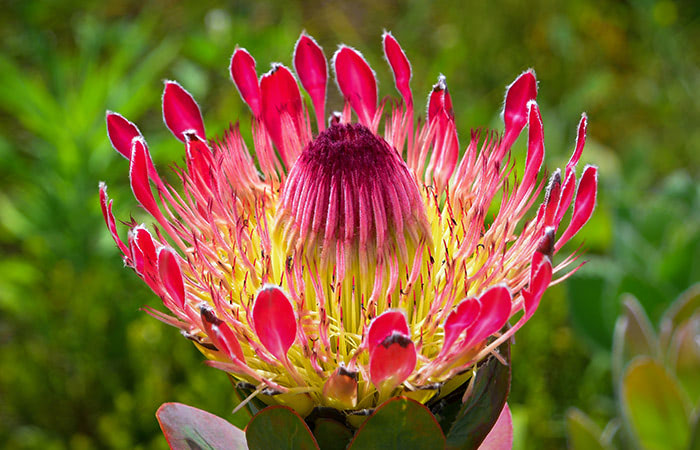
x,y
653,406
684,356
189,428
241,393
331,434
243,415
582,432
634,336
479,413
446,409
399,423
278,427
695,438
685,306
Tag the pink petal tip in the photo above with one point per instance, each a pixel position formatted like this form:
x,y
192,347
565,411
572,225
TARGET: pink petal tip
x,y
180,112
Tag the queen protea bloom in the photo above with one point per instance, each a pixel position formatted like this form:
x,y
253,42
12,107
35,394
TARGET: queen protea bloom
x,y
337,265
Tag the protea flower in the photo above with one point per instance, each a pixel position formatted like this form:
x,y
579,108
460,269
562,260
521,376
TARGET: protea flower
x,y
337,265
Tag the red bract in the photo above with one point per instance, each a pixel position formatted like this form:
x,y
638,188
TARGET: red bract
x,y
384,326
399,65
121,133
245,78
339,265
144,253
180,112
222,336
282,111
493,314
171,276
584,205
310,64
459,320
392,361
392,354
357,83
106,206
138,176
515,111
274,321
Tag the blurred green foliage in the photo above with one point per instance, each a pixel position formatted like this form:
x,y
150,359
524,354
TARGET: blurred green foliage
x,y
656,379
82,367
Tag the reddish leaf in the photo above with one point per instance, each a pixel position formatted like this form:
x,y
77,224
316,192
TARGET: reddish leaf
x,y
186,428
501,435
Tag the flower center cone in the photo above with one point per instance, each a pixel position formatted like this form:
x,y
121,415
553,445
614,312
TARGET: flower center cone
x,y
351,208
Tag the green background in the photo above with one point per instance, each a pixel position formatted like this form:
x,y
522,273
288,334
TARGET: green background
x,y
82,367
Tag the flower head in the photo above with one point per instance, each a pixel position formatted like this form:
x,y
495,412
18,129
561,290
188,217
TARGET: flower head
x,y
341,266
